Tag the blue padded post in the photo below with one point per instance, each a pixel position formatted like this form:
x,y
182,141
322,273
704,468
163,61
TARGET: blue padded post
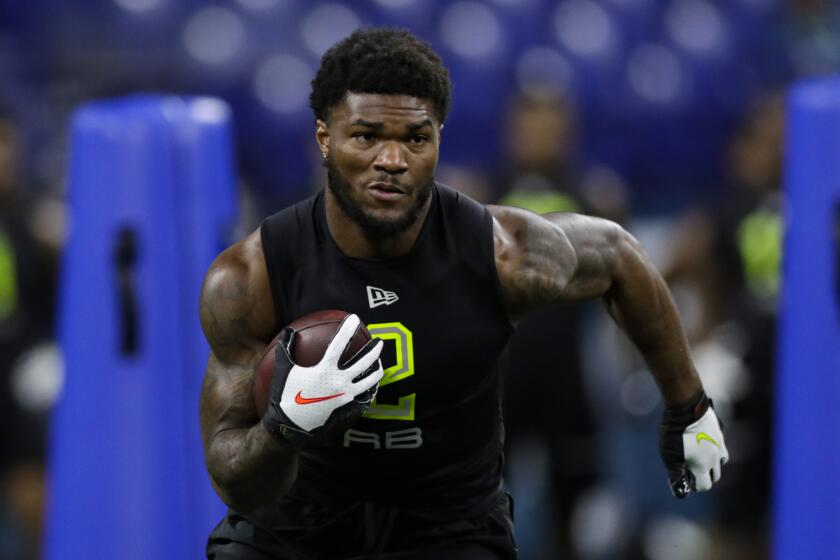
x,y
151,192
208,201
807,461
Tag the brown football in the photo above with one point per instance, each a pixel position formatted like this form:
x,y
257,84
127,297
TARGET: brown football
x,y
313,334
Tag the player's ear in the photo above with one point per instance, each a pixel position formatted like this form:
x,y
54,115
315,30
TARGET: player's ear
x,y
440,133
322,137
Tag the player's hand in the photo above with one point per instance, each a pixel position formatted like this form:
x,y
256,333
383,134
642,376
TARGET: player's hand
x,y
306,401
692,446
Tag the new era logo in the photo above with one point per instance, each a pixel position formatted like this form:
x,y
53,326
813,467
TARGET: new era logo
x,y
378,296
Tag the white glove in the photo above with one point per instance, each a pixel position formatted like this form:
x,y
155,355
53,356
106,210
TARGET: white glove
x,y
692,446
705,450
304,400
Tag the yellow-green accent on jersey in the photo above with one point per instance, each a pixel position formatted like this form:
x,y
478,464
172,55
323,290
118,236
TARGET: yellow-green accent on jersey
x,y
404,341
403,410
405,350
704,436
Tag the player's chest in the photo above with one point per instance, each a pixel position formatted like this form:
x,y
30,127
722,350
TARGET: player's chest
x,y
440,325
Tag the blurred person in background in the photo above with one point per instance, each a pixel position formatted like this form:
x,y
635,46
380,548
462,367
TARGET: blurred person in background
x,y
28,263
548,422
731,256
539,172
556,458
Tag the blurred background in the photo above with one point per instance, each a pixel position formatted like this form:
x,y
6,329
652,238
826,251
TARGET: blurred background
x,y
664,115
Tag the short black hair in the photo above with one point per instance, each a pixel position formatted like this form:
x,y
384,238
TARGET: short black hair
x,y
382,60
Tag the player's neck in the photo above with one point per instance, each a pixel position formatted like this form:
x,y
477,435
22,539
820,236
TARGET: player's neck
x,y
353,242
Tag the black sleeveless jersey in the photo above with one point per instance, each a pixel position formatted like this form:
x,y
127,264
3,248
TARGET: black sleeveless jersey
x,y
432,440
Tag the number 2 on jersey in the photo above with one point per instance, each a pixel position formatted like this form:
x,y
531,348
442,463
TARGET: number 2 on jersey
x,y
404,367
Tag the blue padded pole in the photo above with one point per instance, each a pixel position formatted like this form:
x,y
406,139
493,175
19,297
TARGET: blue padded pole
x,y
208,202
151,190
807,457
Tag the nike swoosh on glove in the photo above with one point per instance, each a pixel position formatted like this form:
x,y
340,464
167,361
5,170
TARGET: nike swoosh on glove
x,y
331,395
692,446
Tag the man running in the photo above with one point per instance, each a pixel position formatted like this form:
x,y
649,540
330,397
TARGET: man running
x,y
439,279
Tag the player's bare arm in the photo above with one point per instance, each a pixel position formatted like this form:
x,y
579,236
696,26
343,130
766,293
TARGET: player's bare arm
x,y
569,257
248,467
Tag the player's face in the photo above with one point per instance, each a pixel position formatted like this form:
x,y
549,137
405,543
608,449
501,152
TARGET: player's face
x,y
381,155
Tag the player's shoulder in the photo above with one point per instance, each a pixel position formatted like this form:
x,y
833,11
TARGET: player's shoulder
x,y
512,222
521,236
511,225
236,288
241,263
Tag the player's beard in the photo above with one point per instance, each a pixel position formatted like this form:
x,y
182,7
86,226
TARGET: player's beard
x,y
372,227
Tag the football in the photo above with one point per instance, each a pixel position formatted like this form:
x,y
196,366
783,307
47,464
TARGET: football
x,y
313,333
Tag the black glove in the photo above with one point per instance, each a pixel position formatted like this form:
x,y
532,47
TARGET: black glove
x,y
692,446
309,401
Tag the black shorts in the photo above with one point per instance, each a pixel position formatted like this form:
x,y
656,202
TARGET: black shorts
x,y
366,532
